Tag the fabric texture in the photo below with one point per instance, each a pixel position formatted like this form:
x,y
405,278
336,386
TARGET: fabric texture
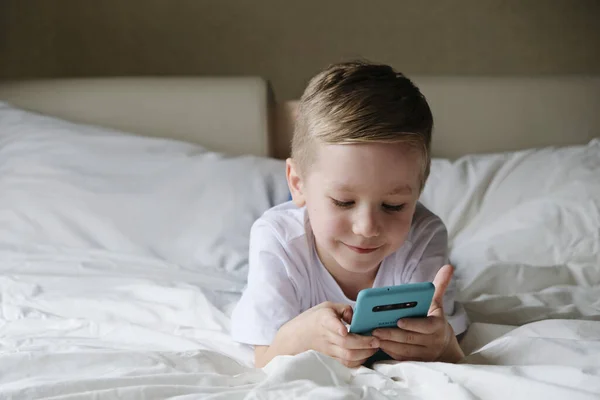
x,y
91,307
71,185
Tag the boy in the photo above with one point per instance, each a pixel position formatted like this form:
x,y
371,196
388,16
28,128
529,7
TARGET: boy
x,y
360,159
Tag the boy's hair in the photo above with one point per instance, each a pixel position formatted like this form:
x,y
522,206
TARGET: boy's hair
x,y
361,102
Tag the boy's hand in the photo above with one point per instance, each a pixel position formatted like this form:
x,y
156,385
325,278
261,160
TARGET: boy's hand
x,y
321,328
424,339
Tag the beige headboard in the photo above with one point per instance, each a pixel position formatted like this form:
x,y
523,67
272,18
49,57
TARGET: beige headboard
x,y
237,115
228,114
493,114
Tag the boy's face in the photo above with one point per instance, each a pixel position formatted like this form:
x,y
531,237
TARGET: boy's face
x,y
360,199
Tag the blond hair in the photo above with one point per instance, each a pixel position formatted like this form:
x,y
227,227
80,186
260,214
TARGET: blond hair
x,y
361,102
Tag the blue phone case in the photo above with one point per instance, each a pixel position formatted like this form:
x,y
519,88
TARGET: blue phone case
x,y
373,308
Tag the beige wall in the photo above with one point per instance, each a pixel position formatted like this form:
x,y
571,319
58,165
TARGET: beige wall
x,y
287,42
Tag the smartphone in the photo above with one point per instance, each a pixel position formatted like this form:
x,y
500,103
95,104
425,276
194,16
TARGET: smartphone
x,y
382,307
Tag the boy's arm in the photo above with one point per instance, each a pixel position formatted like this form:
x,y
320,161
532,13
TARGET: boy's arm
x,y
261,358
270,298
321,329
264,354
453,352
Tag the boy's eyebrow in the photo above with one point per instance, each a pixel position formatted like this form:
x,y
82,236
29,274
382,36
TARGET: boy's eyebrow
x,y
342,188
404,189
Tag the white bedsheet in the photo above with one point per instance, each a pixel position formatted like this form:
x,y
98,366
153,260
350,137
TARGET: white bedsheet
x,y
96,325
118,275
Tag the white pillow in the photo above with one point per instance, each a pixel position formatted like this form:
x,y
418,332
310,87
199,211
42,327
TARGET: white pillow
x,y
538,207
75,186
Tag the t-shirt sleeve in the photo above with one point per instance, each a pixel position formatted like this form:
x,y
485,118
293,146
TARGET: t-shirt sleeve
x,y
430,254
270,298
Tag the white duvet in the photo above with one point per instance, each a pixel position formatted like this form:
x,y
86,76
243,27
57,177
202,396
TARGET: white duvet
x,y
96,305
92,325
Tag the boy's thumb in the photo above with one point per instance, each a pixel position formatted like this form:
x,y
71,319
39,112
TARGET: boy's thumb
x,y
344,311
441,281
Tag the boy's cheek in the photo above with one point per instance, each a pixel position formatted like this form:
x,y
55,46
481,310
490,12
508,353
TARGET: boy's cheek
x,y
327,218
329,231
336,226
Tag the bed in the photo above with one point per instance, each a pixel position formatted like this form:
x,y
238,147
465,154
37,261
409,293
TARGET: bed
x,y
125,207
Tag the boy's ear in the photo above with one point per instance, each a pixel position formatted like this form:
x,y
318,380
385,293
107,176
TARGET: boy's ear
x,y
295,183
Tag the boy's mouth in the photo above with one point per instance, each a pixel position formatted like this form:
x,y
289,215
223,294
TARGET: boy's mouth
x,y
362,250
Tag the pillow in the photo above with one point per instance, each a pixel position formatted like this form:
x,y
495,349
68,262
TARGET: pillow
x,y
72,186
537,207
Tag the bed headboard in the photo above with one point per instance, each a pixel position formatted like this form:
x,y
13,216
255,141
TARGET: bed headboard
x,y
481,115
494,114
228,114
237,115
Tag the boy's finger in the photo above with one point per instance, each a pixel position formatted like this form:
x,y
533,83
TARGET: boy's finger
x,y
345,354
347,316
426,325
333,324
402,336
340,309
441,281
403,351
353,341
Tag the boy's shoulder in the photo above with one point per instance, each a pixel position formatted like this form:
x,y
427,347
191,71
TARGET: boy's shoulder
x,y
424,215
283,233
286,221
424,222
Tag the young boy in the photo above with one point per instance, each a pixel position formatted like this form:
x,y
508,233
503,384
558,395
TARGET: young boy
x,y
360,159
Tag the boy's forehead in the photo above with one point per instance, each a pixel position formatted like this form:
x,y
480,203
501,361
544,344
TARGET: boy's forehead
x,y
345,167
366,154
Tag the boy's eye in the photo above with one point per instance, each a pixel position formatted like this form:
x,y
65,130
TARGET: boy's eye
x,y
342,204
393,208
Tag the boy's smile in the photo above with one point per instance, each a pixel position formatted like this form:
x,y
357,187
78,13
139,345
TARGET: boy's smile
x,y
363,250
360,200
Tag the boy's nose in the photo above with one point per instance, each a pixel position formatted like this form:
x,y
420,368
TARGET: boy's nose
x,y
366,225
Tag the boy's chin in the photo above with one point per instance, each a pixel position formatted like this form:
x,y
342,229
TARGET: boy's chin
x,y
361,267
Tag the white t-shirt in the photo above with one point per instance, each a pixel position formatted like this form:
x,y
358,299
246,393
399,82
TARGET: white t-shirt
x,y
286,277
